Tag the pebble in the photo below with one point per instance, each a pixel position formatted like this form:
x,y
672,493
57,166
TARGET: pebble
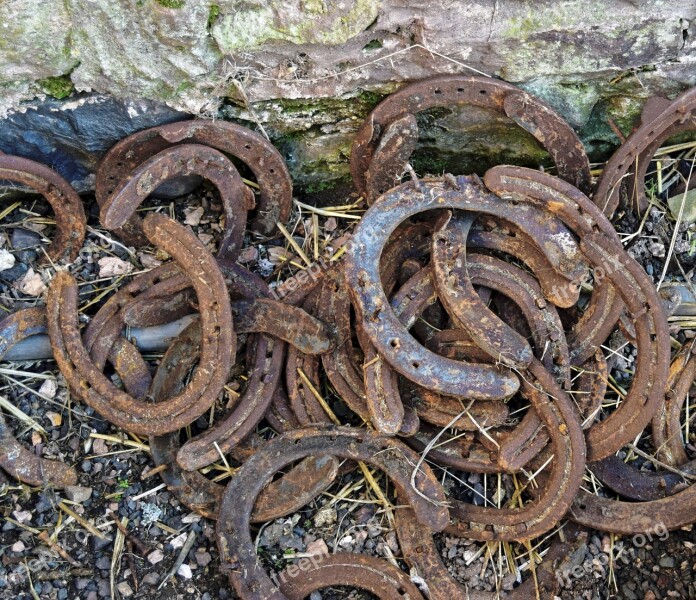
x,y
77,493
667,562
151,579
23,238
155,556
325,516
31,284
15,273
7,260
18,546
124,589
317,548
184,571
112,266
203,559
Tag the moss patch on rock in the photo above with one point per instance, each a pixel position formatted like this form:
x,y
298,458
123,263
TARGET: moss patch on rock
x,y
171,3
56,87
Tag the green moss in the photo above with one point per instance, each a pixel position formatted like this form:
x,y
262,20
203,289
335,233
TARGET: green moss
x,y
171,3
213,14
57,87
317,187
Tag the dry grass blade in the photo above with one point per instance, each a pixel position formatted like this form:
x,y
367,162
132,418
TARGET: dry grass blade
x,y
24,418
116,558
86,524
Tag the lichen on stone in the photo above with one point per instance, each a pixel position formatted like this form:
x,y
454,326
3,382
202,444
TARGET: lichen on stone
x,y
299,22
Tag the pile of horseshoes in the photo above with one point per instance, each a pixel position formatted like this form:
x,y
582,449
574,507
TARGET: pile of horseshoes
x,y
460,299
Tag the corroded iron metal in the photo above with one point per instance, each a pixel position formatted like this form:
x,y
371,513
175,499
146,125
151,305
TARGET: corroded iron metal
x,y
15,459
71,222
183,160
456,291
374,575
266,163
660,121
88,383
373,167
237,549
555,408
281,497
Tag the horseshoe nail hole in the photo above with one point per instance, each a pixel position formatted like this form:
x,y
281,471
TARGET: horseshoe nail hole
x,y
271,171
269,354
247,146
394,342
415,364
111,177
438,91
482,92
460,90
582,506
298,441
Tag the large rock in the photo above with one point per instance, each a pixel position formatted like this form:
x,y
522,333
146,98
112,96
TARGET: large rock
x,y
71,136
308,71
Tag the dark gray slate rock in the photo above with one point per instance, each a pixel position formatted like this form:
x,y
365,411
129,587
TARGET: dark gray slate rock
x,y
72,136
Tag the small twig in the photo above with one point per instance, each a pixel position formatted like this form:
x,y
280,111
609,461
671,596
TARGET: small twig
x,y
155,471
188,544
86,524
46,539
142,548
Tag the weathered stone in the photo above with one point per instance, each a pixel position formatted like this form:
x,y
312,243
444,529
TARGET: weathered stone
x,y
308,72
688,199
72,135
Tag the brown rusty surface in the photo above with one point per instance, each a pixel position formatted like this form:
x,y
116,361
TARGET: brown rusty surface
x,y
396,145
628,518
275,188
183,160
15,459
88,383
423,556
460,299
638,149
556,410
536,117
667,434
374,575
281,497
288,323
649,383
237,549
394,343
642,486
516,245
71,222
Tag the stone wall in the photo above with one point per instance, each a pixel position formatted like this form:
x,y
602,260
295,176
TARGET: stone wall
x,y
76,75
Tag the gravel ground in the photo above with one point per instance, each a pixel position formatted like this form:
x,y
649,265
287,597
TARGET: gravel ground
x,y
111,464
